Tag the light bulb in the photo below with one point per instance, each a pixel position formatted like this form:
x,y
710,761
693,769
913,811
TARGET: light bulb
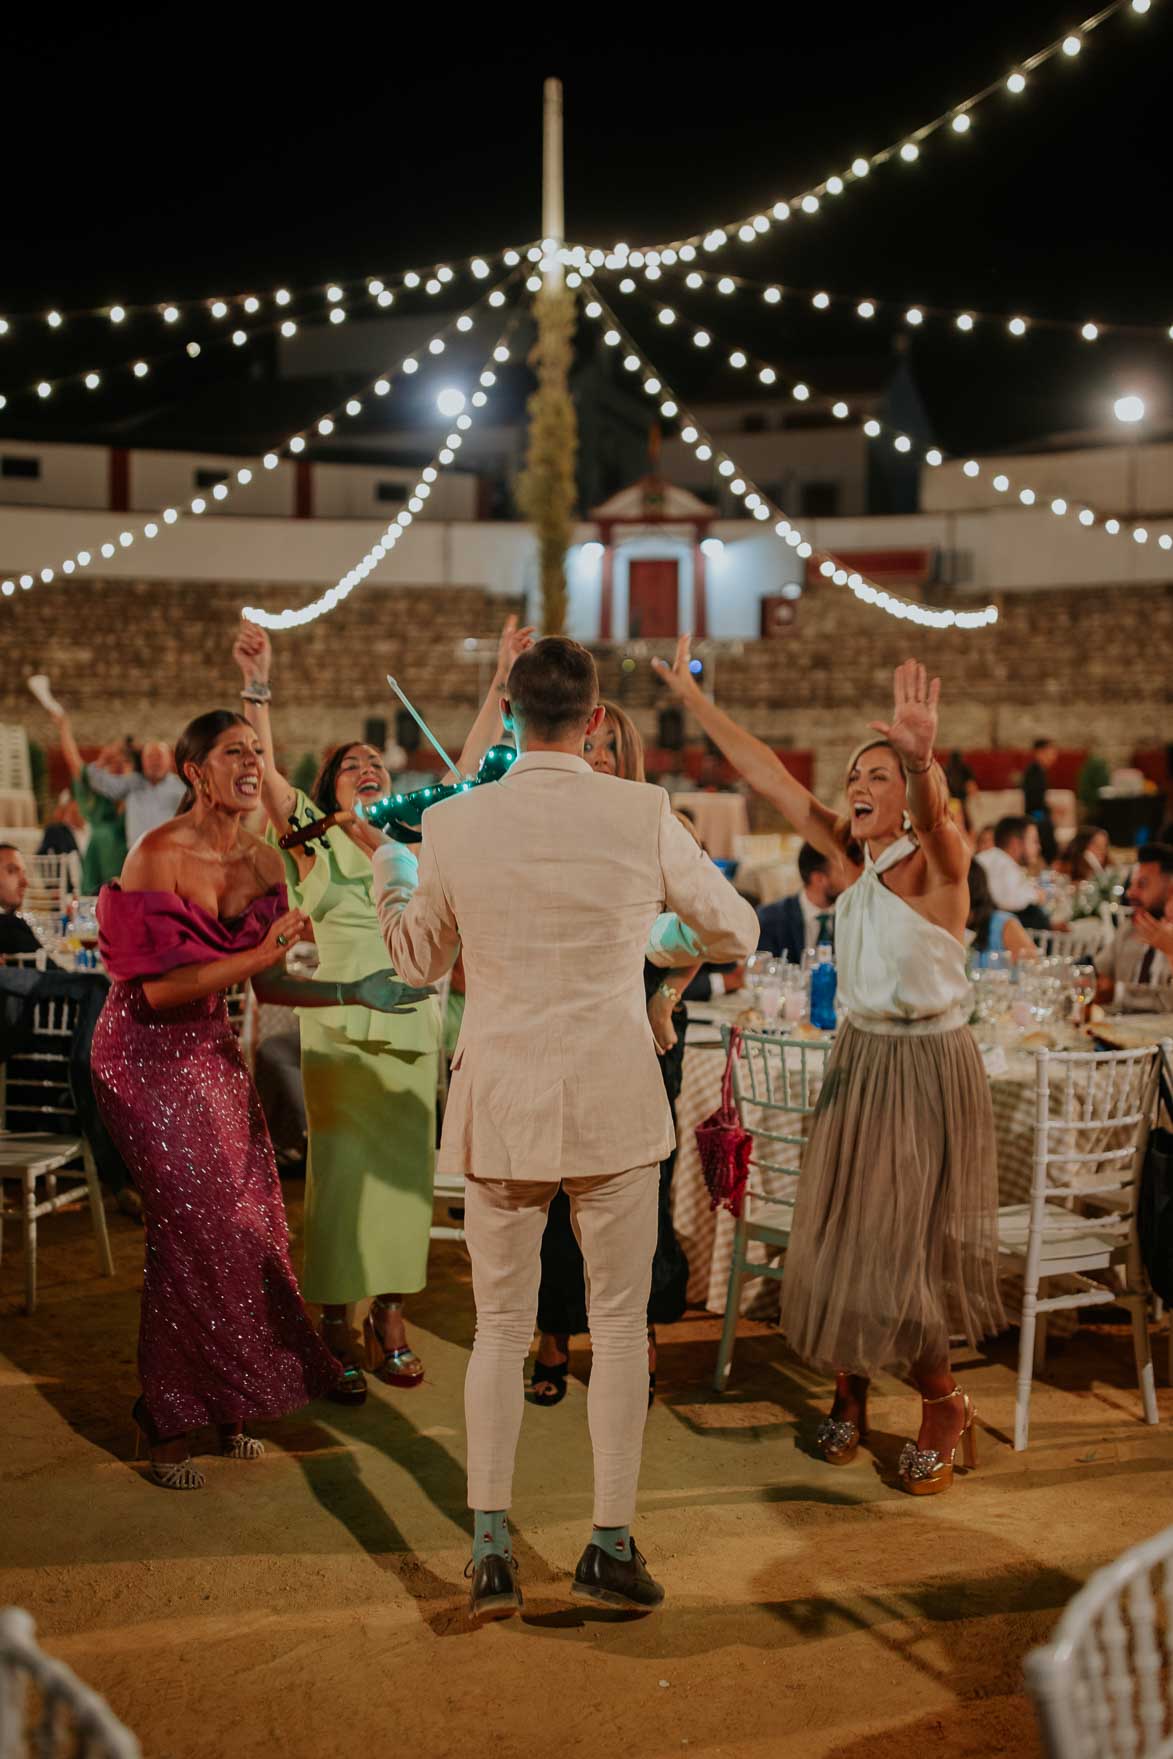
x,y
386,298
282,296
479,267
199,505
252,303
668,409
652,387
1089,332
44,389
219,310
1017,326
240,337
631,362
726,467
810,204
193,351
593,309
964,320
871,429
860,167
410,365
1059,506
909,151
821,301
1072,44
667,315
780,211
1129,409
533,284
726,284
1016,83
289,328
436,345
914,315
450,402
934,457
353,406
767,375
960,123
1027,497
704,453
338,316
464,323
496,298
1086,516
694,280
834,186
902,443
244,477
971,467
840,411
1141,6
381,387
93,380
1001,483
1112,526
325,426
866,308
772,295
702,338
746,234
297,444
801,392
117,314
500,353
612,338
737,358
688,435
333,294
170,314
220,492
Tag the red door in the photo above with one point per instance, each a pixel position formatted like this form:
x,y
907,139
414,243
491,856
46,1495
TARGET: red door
x,y
653,598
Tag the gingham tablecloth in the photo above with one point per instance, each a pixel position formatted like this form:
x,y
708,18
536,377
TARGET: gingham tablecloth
x,y
707,1237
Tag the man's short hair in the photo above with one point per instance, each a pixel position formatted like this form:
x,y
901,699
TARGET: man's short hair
x,y
1042,744
554,686
1160,854
1008,828
5,847
810,862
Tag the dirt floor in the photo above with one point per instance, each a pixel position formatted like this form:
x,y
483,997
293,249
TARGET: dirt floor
x,y
312,1603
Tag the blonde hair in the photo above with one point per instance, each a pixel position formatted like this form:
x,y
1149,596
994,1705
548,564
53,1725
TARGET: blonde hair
x,y
629,747
842,827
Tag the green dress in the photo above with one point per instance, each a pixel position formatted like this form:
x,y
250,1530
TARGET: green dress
x,y
370,1096
106,849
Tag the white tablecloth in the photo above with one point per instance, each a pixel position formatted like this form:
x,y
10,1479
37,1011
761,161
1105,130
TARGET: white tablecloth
x,y
719,818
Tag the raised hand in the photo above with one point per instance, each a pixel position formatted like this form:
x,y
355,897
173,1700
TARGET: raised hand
x,y
384,992
253,652
1154,932
912,732
677,676
513,643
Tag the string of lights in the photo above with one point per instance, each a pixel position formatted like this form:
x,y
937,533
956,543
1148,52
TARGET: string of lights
x,y
766,373
382,291
393,534
957,121
759,505
912,313
293,445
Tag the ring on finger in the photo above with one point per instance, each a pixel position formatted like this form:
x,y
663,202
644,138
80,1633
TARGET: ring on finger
x,y
281,941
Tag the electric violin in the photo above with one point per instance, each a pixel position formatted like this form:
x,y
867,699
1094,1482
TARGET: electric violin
x,y
399,815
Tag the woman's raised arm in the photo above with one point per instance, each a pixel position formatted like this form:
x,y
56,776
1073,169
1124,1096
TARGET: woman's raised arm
x,y
766,774
253,653
486,729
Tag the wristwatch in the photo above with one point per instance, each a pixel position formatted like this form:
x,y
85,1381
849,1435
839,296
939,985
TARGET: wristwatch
x,y
670,994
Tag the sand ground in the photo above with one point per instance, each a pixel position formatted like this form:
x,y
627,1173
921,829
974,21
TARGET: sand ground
x,y
312,1604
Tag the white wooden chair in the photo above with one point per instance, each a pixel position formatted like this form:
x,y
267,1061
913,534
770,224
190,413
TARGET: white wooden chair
x,y
45,1710
1103,1686
1054,943
37,1082
776,1084
53,881
1093,1110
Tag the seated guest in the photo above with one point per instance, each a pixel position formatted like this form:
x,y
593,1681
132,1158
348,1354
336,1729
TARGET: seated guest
x,y
66,832
1086,856
1135,973
15,934
807,917
1035,782
1016,846
990,931
984,839
962,783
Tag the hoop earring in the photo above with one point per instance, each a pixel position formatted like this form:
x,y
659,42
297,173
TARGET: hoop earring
x,y
205,788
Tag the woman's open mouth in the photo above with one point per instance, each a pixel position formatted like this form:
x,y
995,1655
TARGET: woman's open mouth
x,y
248,787
371,789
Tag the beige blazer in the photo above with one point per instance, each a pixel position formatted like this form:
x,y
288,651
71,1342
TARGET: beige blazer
x,y
549,881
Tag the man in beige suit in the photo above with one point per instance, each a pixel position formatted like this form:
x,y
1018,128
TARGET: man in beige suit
x,y
550,881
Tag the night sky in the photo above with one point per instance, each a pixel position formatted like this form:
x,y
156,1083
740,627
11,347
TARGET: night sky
x,y
210,149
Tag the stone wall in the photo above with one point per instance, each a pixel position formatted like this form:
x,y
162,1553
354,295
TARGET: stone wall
x,y
1089,668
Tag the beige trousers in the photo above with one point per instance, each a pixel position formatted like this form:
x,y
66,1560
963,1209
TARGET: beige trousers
x,y
615,1220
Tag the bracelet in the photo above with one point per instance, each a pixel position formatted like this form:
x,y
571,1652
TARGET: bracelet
x,y
256,691
909,770
341,1003
670,994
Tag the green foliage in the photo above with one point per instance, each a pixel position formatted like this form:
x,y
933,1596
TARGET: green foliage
x,y
39,767
305,772
546,488
1094,775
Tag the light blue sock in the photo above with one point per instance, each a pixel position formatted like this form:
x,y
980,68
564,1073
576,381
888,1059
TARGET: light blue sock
x,y
615,1541
490,1534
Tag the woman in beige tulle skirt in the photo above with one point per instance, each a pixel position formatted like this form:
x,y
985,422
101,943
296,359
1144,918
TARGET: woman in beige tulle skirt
x,y
893,1248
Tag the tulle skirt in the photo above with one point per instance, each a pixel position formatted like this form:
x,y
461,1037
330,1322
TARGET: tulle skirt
x,y
893,1250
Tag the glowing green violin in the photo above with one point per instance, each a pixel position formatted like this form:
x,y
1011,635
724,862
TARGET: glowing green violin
x,y
399,815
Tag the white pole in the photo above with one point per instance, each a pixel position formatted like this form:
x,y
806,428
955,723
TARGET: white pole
x,y
553,207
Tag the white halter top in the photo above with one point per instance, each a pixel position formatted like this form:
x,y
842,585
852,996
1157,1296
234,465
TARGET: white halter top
x,y
897,970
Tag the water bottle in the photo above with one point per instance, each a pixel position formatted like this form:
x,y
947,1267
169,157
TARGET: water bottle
x,y
823,982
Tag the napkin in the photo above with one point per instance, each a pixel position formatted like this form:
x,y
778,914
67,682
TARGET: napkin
x,y
38,683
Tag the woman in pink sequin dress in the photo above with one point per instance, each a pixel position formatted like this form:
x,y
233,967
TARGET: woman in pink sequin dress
x,y
224,1335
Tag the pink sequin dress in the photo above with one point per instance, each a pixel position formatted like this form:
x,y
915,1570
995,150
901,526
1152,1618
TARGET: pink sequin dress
x,y
224,1335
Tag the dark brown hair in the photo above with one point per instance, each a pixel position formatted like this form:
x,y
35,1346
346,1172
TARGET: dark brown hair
x,y
324,792
197,740
553,686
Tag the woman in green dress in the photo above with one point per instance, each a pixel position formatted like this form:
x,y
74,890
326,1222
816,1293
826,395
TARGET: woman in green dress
x,y
370,1079
106,850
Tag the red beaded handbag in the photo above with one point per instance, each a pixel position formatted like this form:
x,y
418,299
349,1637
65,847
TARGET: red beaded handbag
x,y
725,1145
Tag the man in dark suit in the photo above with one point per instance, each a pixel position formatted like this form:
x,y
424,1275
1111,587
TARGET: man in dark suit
x,y
789,927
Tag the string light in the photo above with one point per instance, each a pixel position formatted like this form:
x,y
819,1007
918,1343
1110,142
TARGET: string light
x,y
875,429
761,508
378,552
915,312
294,444
907,149
173,311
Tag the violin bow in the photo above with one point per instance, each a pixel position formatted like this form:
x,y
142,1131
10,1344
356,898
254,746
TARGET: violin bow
x,y
424,728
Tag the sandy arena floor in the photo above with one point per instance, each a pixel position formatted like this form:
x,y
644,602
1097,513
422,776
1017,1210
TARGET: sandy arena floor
x,y
312,1604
